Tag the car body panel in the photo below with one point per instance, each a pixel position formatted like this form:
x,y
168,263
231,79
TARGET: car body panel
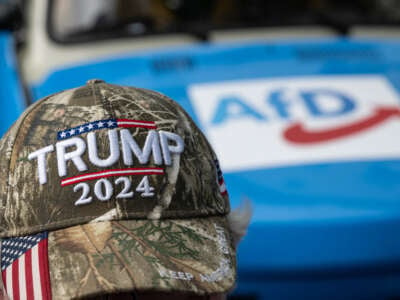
x,y
325,225
12,98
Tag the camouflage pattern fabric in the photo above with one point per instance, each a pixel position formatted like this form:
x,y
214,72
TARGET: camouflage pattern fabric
x,y
183,255
175,237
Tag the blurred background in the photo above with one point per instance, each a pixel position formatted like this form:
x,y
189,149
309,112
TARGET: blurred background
x,y
300,100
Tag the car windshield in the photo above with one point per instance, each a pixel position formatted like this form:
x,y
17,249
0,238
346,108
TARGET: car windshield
x,y
77,20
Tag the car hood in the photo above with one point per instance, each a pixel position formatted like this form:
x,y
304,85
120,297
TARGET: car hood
x,y
304,129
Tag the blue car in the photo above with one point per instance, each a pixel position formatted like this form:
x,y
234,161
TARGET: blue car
x,y
301,105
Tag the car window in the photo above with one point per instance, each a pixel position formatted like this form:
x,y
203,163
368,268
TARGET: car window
x,y
76,20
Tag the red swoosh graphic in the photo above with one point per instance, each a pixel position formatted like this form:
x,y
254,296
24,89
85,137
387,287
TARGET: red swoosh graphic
x,y
296,133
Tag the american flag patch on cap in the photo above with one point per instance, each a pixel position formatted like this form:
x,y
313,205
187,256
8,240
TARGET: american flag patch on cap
x,y
24,267
220,179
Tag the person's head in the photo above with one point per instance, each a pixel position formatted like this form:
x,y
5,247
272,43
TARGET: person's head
x,y
111,192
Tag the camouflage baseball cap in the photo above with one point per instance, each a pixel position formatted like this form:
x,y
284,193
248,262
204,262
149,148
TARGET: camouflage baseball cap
x,y
110,189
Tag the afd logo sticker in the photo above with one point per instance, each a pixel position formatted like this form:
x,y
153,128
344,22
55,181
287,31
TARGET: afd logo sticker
x,y
274,122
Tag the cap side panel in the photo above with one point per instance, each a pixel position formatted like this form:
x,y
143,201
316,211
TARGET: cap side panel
x,y
23,131
6,146
191,173
95,93
130,103
9,147
209,184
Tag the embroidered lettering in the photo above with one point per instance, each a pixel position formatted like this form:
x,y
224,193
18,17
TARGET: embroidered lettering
x,y
114,150
104,190
221,238
75,156
41,161
175,275
151,145
158,146
219,274
167,149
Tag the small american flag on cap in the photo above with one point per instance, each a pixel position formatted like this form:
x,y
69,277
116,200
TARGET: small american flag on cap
x,y
24,267
220,179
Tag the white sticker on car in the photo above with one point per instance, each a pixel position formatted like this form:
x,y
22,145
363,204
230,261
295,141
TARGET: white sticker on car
x,y
264,123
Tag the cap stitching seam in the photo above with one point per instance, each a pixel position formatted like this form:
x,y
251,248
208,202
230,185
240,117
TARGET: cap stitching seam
x,y
109,103
107,108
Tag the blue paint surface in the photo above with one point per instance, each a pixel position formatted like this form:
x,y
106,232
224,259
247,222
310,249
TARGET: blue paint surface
x,y
12,101
321,231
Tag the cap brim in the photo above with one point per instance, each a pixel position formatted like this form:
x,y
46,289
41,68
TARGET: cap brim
x,y
186,255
